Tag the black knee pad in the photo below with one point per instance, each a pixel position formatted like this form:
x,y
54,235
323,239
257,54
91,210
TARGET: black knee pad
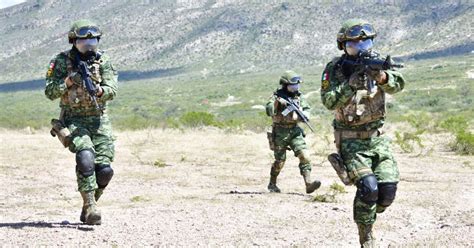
x,y
85,162
103,174
387,193
367,190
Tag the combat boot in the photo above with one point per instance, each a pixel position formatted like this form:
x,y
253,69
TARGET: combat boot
x,y
310,186
366,236
90,214
272,187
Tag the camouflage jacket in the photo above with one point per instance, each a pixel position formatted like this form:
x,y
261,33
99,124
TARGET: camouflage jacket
x,y
355,109
75,100
274,109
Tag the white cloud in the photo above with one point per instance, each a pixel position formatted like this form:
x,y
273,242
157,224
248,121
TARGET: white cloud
x,y
8,3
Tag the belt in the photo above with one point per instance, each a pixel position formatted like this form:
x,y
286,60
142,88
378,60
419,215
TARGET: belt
x,y
349,134
69,113
291,125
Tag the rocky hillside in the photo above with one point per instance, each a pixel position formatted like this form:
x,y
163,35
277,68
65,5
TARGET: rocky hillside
x,y
211,37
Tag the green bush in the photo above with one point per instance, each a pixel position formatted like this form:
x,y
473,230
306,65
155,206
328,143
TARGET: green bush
x,y
459,126
464,143
455,124
406,140
199,119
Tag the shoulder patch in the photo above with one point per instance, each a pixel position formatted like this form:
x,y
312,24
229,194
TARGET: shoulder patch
x,y
325,80
50,69
325,84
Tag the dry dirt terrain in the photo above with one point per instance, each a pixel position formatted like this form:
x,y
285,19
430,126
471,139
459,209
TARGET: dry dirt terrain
x,y
207,188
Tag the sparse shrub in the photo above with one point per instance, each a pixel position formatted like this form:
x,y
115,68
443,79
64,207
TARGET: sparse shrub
x,y
330,196
327,197
199,119
159,163
405,140
455,124
139,198
338,188
459,126
420,120
464,143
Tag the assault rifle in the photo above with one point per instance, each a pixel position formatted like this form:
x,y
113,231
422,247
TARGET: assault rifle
x,y
89,85
369,60
291,106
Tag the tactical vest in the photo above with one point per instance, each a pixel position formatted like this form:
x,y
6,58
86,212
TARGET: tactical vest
x,y
291,118
77,96
362,107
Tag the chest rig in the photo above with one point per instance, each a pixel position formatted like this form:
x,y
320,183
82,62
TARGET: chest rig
x,y
77,96
364,106
291,118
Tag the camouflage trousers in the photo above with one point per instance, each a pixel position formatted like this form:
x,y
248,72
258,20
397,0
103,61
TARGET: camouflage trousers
x,y
294,139
364,157
95,133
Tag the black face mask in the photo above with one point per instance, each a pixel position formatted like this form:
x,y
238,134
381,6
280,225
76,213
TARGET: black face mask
x,y
87,56
288,93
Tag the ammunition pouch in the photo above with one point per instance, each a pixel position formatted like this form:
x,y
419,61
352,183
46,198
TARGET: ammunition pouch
x,y
59,130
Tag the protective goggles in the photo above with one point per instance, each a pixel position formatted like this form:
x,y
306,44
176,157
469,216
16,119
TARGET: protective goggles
x,y
297,79
359,32
87,32
293,87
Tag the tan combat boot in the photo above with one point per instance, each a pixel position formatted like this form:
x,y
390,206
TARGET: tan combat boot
x,y
272,187
90,214
310,186
274,172
366,236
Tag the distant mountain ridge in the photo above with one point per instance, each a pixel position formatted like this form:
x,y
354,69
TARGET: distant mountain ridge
x,y
212,37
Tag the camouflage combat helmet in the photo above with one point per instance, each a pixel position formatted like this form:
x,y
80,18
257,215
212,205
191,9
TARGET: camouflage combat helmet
x,y
290,77
83,29
354,29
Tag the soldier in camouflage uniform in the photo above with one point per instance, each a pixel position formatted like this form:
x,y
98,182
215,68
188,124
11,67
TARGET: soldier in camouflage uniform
x,y
364,156
286,134
84,127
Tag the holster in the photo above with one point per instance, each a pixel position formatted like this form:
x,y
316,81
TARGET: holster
x,y
271,140
61,131
337,162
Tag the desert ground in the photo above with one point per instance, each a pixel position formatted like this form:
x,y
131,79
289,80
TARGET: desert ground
x,y
207,188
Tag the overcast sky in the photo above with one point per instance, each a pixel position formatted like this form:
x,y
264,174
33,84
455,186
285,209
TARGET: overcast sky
x,y
8,3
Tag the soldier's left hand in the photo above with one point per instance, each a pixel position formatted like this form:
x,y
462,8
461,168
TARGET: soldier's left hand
x,y
99,91
378,75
